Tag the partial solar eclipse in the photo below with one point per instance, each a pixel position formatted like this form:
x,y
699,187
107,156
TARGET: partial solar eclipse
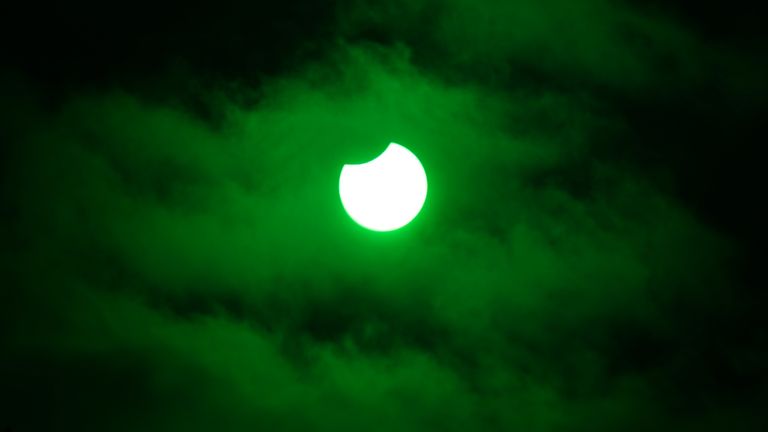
x,y
386,193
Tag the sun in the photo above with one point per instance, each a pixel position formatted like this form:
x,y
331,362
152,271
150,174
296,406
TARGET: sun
x,y
386,193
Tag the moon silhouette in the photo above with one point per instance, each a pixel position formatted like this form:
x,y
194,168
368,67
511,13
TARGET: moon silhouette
x,y
386,193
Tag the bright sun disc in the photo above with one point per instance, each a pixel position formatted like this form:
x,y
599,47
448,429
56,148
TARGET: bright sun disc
x,y
386,193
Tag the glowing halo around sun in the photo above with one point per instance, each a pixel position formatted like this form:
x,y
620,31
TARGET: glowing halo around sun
x,y
386,193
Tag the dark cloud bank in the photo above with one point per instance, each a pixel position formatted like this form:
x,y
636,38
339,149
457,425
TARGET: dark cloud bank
x,y
175,256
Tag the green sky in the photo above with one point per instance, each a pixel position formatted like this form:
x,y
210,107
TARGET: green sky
x,y
176,256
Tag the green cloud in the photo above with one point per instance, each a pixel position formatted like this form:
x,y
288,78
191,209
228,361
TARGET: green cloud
x,y
593,42
173,272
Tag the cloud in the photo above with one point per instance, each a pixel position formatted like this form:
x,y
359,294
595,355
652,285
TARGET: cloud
x,y
176,270
596,42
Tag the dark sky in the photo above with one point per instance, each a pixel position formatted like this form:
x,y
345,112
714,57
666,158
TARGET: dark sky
x,y
175,255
